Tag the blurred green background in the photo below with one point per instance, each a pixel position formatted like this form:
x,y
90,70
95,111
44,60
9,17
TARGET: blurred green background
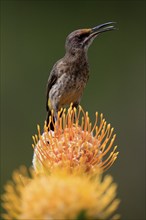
x,y
32,39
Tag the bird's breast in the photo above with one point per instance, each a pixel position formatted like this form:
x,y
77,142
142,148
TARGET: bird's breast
x,y
69,87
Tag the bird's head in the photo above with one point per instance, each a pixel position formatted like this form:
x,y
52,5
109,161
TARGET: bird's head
x,y
82,38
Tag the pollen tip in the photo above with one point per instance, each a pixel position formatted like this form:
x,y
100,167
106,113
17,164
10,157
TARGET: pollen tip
x,y
114,136
115,158
87,113
38,128
115,147
111,154
74,109
109,125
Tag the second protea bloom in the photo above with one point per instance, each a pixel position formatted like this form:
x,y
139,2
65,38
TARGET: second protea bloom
x,y
75,144
59,196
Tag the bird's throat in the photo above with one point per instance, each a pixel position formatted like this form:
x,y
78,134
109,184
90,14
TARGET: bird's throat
x,y
76,56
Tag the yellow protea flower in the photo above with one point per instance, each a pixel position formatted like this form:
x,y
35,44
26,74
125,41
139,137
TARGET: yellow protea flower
x,y
59,196
75,143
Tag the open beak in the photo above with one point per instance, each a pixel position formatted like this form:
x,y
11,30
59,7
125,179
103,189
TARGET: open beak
x,y
109,26
93,32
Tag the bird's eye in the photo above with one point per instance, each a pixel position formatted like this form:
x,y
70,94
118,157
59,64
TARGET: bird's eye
x,y
82,36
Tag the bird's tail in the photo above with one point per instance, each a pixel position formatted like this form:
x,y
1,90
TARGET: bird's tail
x,y
51,127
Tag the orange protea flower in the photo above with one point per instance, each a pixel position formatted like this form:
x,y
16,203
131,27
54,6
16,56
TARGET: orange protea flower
x,y
75,143
59,196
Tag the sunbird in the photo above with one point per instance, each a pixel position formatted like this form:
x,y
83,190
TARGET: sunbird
x,y
70,74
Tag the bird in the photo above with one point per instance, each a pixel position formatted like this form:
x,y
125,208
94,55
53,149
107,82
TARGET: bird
x,y
70,74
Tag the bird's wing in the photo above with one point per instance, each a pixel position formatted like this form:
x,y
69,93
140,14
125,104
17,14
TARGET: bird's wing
x,y
51,81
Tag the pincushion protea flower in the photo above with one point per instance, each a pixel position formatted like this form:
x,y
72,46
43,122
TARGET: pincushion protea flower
x,y
75,143
59,196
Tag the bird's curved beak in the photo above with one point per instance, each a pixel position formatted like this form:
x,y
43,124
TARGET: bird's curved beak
x,y
95,31
109,26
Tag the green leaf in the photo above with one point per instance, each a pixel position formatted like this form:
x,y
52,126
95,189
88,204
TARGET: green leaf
x,y
82,215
